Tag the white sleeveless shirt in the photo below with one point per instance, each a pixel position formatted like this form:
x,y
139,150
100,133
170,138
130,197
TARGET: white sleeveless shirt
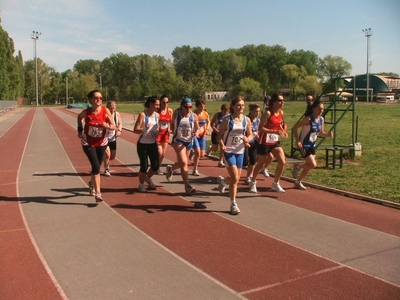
x,y
149,136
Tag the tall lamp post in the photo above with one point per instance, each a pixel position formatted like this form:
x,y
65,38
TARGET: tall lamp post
x,y
368,34
35,36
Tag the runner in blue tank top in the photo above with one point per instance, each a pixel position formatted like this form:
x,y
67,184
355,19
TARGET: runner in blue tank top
x,y
312,127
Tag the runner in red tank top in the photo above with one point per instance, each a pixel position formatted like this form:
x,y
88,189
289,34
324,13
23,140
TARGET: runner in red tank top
x,y
270,129
164,129
93,137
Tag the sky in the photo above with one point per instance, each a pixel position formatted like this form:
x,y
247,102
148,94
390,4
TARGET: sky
x,y
73,30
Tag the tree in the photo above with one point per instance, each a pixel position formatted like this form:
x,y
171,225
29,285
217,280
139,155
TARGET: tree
x,y
249,88
307,59
332,67
10,70
309,85
293,75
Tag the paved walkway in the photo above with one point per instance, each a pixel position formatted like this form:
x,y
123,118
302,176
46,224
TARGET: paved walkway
x,y
55,243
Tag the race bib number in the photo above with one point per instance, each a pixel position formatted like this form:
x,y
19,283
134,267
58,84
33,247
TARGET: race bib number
x,y
272,138
96,132
236,140
313,137
185,132
163,125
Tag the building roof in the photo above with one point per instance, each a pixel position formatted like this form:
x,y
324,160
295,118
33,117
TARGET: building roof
x,y
377,84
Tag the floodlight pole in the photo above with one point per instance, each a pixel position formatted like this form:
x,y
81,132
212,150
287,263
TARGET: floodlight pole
x,y
368,34
35,36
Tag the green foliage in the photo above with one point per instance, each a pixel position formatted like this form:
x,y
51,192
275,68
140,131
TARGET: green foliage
x,y
249,88
11,76
331,67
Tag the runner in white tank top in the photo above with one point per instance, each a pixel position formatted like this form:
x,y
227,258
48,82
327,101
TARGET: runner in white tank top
x,y
235,134
147,149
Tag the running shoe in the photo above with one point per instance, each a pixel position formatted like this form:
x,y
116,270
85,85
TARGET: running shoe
x,y
189,189
299,185
91,188
222,186
264,171
247,180
221,164
296,170
107,173
196,173
277,187
253,187
151,186
169,173
234,209
159,172
191,155
98,197
142,188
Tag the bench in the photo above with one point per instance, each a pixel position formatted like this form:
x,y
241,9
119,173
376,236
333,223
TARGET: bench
x,y
334,163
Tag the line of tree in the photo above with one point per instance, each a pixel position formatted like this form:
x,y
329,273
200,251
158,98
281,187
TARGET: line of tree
x,y
253,71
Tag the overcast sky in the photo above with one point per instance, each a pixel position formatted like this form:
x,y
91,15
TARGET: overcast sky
x,y
73,30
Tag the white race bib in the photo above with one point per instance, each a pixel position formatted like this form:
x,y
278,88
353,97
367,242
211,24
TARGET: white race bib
x,y
313,137
95,132
272,137
236,140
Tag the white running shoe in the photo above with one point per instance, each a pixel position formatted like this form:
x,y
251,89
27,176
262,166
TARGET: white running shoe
x,y
169,173
277,187
296,170
299,185
195,173
151,186
219,179
253,187
107,173
234,209
222,186
221,164
142,188
98,197
264,171
189,189
247,180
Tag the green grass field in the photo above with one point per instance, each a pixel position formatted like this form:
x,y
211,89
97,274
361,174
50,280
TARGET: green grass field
x,y
376,173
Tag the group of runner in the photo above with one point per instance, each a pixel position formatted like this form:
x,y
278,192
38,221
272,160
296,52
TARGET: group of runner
x,y
242,140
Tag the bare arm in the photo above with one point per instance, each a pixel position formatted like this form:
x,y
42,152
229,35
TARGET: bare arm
x,y
295,128
214,122
221,132
249,131
196,129
110,121
138,128
323,133
81,116
174,115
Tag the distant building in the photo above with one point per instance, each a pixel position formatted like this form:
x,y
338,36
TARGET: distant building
x,y
216,96
378,84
